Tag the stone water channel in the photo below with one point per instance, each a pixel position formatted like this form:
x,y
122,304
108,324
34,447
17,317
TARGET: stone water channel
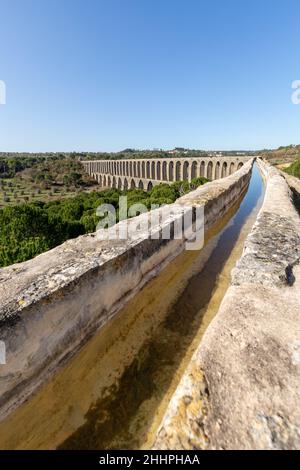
x,y
114,392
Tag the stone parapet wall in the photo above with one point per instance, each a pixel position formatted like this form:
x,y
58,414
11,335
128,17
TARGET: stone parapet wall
x,y
241,389
292,181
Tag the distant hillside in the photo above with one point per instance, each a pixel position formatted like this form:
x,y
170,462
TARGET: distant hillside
x,y
282,155
69,173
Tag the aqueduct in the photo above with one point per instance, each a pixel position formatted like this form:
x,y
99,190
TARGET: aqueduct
x,y
144,174
98,329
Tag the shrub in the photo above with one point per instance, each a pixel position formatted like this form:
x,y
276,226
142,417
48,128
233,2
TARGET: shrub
x,y
294,169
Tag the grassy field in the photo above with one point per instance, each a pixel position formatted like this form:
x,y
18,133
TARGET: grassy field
x,y
15,191
45,182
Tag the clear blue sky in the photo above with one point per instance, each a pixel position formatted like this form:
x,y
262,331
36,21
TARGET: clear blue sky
x,y
110,74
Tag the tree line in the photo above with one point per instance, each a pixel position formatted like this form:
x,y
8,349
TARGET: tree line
x,y
29,229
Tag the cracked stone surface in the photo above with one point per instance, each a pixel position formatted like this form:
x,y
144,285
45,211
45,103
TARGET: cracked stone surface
x,y
271,252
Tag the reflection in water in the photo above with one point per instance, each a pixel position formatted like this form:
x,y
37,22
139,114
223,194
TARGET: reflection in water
x,y
114,392
118,419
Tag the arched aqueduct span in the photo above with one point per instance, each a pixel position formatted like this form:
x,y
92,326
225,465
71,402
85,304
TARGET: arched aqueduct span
x,y
144,174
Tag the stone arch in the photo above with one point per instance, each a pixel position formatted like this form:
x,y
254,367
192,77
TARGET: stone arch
x,y
143,170
210,171
127,169
185,170
141,184
132,184
108,181
240,165
224,169
153,170
178,171
171,171
130,169
139,169
100,180
194,170
217,170
125,185
119,183
164,171
231,170
115,167
148,169
150,186
134,169
202,168
158,171
104,181
113,182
